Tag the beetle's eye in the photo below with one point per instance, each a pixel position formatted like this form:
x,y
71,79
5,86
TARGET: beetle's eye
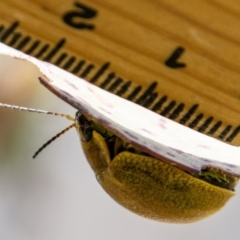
x,y
85,130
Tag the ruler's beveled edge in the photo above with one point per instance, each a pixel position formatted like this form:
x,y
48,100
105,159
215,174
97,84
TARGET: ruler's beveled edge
x,y
156,135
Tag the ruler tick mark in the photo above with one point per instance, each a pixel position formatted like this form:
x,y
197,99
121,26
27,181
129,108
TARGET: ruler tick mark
x,y
1,28
9,31
134,93
205,125
124,88
78,67
69,63
148,101
23,42
148,92
215,128
100,72
87,71
234,134
42,50
196,121
168,108
188,115
33,47
223,134
109,78
159,104
54,50
115,84
60,59
14,39
177,111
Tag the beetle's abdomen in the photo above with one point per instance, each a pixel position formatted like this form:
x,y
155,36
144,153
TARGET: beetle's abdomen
x,y
157,190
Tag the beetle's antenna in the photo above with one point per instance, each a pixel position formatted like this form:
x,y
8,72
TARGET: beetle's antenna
x,y
14,107
52,139
45,112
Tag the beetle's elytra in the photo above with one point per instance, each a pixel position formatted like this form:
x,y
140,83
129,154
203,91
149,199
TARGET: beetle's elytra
x,y
149,186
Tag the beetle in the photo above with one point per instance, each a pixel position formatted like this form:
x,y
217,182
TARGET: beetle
x,y
142,183
148,186
136,179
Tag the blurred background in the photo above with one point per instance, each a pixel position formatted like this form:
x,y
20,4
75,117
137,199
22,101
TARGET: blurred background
x,y
56,196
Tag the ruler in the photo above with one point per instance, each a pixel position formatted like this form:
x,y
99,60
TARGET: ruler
x,y
178,60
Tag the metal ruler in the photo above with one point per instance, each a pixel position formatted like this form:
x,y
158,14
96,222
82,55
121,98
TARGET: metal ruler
x,y
178,60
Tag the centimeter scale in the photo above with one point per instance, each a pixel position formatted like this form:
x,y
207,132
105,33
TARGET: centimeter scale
x,y
178,60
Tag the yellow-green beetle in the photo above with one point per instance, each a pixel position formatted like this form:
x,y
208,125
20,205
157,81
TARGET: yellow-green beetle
x,y
148,186
138,181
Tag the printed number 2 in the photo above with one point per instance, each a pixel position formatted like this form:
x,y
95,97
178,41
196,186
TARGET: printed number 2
x,y
73,17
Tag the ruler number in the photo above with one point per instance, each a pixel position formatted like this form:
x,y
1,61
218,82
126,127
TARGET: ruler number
x,y
173,61
74,17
